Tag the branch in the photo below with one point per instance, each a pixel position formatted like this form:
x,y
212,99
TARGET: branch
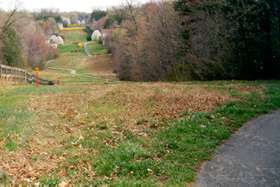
x,y
9,22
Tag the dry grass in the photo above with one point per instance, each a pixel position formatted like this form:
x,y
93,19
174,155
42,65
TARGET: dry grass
x,y
5,83
151,104
101,65
63,115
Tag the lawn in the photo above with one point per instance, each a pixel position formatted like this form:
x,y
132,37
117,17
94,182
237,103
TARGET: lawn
x,y
74,36
124,134
70,48
96,48
72,40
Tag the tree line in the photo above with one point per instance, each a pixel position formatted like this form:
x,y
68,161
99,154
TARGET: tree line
x,y
23,40
198,40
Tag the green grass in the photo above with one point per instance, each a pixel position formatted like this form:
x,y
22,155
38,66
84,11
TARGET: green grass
x,y
68,61
13,117
174,154
16,122
70,48
96,48
72,39
74,36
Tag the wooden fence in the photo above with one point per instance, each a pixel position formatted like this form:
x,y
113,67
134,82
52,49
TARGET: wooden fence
x,y
20,75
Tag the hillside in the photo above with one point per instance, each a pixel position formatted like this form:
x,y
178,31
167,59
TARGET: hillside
x,y
92,129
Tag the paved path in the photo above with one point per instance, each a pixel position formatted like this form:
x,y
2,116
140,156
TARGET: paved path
x,y
250,158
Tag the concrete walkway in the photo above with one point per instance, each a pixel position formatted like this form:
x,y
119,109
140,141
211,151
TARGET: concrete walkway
x,y
250,158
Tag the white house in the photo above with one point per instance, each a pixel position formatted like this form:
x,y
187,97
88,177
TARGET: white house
x,y
54,39
83,22
96,35
66,21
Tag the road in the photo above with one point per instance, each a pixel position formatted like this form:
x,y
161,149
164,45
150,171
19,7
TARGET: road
x,y
250,158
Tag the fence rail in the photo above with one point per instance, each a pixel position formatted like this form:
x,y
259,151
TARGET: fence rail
x,y
21,75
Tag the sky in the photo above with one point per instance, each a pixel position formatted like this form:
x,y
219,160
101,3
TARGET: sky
x,y
62,5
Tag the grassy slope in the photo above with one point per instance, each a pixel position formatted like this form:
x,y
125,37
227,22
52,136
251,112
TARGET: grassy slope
x,y
72,39
97,48
169,155
96,133
74,36
173,155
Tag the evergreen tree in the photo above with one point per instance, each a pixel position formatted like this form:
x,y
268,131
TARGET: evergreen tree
x,y
11,49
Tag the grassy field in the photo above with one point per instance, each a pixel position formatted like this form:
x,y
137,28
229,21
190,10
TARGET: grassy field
x,y
97,48
94,130
72,39
74,36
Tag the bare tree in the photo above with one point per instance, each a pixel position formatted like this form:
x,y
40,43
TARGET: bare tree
x,y
150,46
33,37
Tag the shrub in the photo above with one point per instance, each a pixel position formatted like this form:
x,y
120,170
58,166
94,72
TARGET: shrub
x,y
12,53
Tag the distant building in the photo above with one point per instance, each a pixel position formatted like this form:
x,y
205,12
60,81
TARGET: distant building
x,y
66,21
83,22
56,39
96,36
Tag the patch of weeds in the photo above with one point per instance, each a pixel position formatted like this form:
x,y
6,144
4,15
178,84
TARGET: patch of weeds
x,y
142,121
102,126
73,36
35,158
123,160
99,182
10,145
4,179
132,182
49,181
70,48
96,48
129,136
90,143
14,118
181,147
140,168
